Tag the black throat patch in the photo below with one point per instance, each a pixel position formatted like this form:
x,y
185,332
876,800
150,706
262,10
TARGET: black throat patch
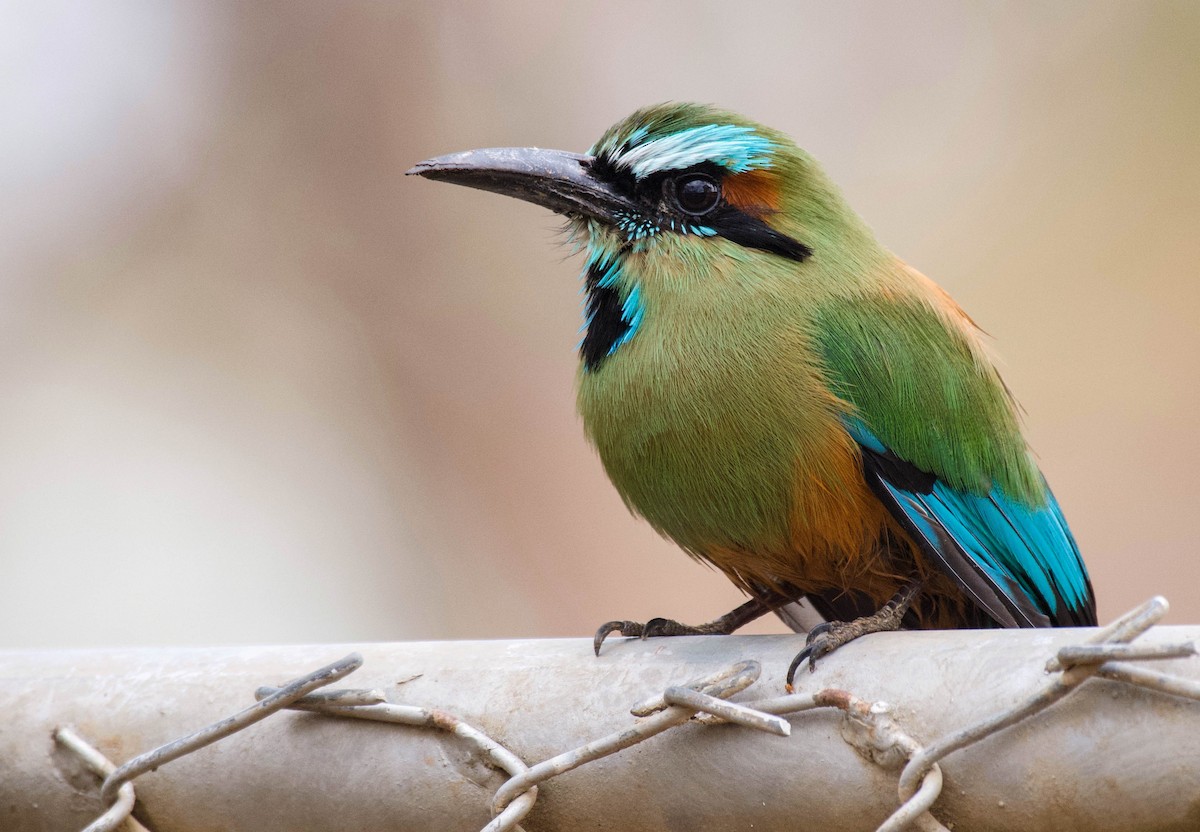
x,y
606,325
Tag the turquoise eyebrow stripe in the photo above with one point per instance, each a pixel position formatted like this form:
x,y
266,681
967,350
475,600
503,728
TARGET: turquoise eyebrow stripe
x,y
733,147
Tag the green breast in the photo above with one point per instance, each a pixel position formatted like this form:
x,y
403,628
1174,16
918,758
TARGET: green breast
x,y
703,419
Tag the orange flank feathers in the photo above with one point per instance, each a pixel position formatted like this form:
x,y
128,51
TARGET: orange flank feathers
x,y
841,537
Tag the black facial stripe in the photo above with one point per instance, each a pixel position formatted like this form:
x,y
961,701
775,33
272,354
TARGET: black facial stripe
x,y
605,326
727,220
741,228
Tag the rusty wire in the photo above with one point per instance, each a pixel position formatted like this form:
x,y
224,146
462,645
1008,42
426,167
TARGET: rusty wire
x,y
868,727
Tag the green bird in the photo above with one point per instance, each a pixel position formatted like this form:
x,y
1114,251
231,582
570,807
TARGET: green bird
x,y
784,398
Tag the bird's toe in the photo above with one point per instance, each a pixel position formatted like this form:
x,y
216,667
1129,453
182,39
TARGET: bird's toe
x,y
626,628
818,631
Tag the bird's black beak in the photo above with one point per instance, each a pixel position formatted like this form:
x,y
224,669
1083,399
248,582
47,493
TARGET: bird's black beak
x,y
554,179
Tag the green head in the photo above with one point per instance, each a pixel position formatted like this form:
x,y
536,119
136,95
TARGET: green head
x,y
679,194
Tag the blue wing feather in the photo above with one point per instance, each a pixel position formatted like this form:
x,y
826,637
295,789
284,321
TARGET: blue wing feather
x,y
1019,564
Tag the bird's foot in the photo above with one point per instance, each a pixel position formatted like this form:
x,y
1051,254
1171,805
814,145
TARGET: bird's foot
x,y
652,628
656,627
829,636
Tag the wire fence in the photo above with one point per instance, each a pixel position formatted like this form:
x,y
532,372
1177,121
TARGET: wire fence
x,y
871,728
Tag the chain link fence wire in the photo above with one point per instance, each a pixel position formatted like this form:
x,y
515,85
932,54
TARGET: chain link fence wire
x,y
871,728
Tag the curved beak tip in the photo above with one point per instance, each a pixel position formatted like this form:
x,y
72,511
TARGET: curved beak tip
x,y
423,167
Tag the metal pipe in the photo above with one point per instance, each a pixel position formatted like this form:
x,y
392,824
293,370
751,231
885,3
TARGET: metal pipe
x,y
1114,755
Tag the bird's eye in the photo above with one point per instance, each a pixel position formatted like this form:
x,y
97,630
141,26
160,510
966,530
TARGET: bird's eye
x,y
697,193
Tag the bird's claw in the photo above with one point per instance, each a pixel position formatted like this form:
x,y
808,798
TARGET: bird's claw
x,y
657,627
654,628
818,631
828,636
822,640
631,629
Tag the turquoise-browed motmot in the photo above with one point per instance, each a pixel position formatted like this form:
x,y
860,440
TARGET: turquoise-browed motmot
x,y
784,398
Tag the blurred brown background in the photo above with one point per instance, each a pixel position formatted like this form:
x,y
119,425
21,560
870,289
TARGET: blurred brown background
x,y
256,386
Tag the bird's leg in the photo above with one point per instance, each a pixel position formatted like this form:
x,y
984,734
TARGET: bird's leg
x,y
754,608
825,638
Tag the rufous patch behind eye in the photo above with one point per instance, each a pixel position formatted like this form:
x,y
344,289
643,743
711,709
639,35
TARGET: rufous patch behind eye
x,y
756,192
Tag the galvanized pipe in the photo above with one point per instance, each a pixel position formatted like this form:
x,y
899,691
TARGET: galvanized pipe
x,y
1110,756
